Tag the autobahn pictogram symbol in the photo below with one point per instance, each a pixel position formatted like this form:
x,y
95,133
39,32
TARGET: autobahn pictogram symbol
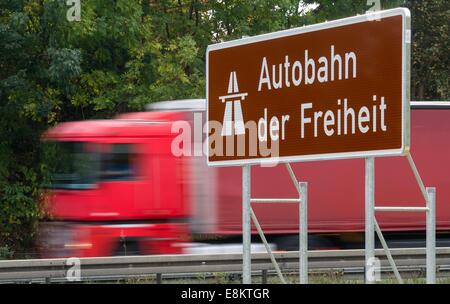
x,y
233,105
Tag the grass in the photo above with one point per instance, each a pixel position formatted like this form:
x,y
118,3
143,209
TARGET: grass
x,y
332,277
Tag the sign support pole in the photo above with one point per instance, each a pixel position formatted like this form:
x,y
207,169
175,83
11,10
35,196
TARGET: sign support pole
x,y
302,188
303,231
246,226
430,198
370,216
431,235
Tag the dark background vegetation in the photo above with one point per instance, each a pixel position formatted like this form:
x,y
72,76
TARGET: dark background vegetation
x,y
124,54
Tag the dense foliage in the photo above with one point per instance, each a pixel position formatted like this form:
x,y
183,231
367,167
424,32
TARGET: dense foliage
x,y
123,54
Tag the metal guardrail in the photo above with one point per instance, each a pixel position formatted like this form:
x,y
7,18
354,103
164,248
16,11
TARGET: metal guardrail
x,y
131,266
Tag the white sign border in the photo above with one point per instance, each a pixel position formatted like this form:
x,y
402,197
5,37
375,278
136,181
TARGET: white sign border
x,y
370,17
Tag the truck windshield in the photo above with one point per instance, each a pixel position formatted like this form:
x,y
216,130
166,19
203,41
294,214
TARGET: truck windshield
x,y
71,165
80,165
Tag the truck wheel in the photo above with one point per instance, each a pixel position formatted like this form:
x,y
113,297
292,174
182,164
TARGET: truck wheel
x,y
315,242
127,247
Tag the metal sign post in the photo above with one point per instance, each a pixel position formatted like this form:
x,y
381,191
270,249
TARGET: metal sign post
x,y
246,226
302,188
371,225
303,231
431,236
369,206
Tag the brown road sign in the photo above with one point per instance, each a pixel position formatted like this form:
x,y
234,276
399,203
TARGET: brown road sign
x,y
334,90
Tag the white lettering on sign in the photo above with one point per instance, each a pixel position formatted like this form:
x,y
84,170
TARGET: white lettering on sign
x,y
272,127
280,75
330,122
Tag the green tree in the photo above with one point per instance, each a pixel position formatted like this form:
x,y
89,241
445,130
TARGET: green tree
x,y
430,49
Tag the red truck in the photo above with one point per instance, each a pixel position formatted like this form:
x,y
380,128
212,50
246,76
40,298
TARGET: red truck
x,y
117,189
